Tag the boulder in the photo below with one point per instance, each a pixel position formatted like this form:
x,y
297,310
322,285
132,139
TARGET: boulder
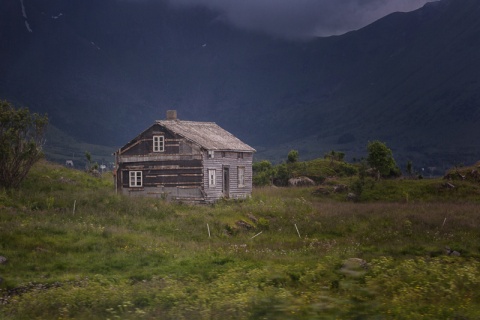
x,y
301,182
340,188
351,196
451,252
3,260
243,225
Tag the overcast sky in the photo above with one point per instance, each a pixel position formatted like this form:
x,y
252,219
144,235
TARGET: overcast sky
x,y
303,18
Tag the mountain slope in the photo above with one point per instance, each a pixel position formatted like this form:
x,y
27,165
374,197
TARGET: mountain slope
x,y
104,70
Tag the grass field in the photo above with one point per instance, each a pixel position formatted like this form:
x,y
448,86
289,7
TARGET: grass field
x,y
76,250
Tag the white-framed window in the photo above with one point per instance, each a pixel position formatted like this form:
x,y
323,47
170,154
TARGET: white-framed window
x,y
135,179
212,180
241,176
158,143
211,154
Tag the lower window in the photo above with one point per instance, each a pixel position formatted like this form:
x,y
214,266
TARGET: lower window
x,y
211,178
241,177
135,179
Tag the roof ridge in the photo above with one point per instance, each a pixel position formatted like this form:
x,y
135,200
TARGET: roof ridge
x,y
189,121
206,134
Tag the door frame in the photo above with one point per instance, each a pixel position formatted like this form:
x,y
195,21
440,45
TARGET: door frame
x,y
226,181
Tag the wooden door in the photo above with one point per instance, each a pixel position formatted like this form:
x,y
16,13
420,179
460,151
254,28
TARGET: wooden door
x,y
226,182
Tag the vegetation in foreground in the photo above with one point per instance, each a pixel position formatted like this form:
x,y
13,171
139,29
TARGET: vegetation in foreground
x,y
75,250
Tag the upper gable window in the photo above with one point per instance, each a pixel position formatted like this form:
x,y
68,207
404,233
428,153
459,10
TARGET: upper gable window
x,y
211,154
158,143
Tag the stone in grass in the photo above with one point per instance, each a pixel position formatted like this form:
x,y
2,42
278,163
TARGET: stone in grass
x,y
252,218
244,225
451,252
3,260
301,182
351,196
354,267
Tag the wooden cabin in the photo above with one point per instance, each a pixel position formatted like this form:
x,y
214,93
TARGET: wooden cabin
x,y
186,161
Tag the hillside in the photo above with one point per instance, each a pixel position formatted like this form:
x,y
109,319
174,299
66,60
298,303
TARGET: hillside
x,y
71,248
408,79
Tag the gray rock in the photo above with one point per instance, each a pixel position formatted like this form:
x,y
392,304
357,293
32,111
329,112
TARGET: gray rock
x,y
351,196
340,188
451,252
3,260
301,182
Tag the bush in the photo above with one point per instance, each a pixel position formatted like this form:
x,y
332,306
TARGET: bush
x,y
21,141
263,173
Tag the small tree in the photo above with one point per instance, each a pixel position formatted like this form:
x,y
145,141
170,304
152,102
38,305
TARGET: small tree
x,y
90,166
335,156
409,167
282,174
21,140
380,158
292,156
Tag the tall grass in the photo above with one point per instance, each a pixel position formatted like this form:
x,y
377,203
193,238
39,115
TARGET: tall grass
x,y
282,254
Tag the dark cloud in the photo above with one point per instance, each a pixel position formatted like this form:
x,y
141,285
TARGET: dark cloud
x,y
303,18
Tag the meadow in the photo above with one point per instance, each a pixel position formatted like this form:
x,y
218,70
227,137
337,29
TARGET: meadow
x,y
76,250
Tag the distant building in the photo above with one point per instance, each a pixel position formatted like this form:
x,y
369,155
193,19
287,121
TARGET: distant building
x,y
186,161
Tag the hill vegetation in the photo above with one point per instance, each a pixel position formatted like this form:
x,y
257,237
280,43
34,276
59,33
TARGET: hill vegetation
x,y
73,249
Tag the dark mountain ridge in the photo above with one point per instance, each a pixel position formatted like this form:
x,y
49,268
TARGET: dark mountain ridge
x,y
104,70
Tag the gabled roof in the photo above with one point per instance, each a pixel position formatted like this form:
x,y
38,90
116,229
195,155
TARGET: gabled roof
x,y
206,134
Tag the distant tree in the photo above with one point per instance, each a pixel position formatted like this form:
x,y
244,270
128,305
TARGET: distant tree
x,y
21,140
282,175
358,185
262,166
335,156
409,167
380,158
292,156
263,173
91,166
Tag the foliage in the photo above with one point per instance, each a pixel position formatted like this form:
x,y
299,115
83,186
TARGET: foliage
x,y
21,140
317,170
380,158
464,173
409,167
335,156
292,156
263,173
90,166
134,258
283,174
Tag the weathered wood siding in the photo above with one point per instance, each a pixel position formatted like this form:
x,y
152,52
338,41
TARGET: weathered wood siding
x,y
232,161
177,172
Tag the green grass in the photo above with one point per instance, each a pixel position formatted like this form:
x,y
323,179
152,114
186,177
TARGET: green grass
x,y
134,258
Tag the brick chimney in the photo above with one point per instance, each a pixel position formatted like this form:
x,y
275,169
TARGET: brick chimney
x,y
171,114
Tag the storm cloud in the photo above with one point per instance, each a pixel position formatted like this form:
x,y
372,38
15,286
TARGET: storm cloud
x,y
302,18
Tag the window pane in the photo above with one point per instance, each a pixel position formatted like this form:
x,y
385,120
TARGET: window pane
x,y
135,178
211,178
158,143
241,176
